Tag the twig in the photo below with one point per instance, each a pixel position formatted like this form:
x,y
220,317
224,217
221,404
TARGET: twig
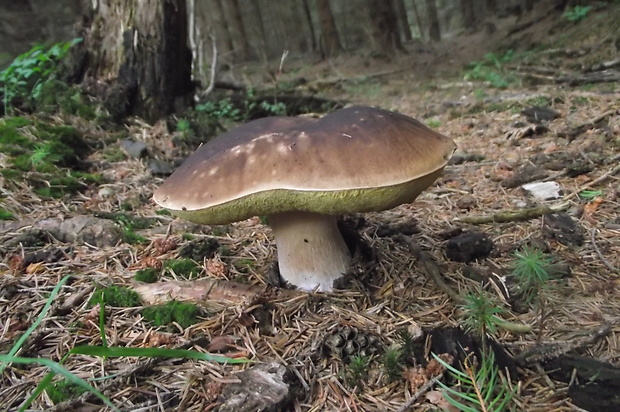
x,y
547,352
598,180
213,69
599,253
431,268
515,215
428,385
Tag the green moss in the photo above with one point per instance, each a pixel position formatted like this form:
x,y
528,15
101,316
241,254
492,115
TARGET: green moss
x,y
11,174
186,268
58,187
119,296
162,212
89,178
14,122
129,220
131,237
243,265
199,249
6,215
149,275
114,154
22,162
185,314
63,390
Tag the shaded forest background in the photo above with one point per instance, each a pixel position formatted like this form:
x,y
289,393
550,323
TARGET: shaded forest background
x,y
260,30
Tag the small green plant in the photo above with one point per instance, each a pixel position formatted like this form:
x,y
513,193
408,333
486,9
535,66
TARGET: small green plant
x,y
117,296
479,94
148,275
480,387
221,109
357,370
130,237
185,314
480,314
407,344
433,123
6,215
393,363
531,268
25,78
577,13
492,70
276,108
43,153
589,195
185,268
183,126
63,390
56,368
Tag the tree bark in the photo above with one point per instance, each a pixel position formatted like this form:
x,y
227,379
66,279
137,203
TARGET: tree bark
x,y
403,20
220,31
236,29
329,33
308,16
385,26
491,6
417,18
434,31
260,29
137,57
468,15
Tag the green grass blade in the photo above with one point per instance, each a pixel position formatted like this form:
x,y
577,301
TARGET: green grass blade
x,y
60,370
447,394
37,391
115,351
36,323
104,340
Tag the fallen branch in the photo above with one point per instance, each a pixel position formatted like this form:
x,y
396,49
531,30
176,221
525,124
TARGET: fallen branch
x,y
516,215
199,291
431,268
596,181
549,351
599,253
425,388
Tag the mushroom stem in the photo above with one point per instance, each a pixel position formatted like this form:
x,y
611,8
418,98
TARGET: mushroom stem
x,y
311,250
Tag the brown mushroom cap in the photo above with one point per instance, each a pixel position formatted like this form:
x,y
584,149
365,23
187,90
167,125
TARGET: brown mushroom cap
x,y
357,159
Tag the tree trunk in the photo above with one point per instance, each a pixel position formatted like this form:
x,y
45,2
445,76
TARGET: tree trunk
x,y
220,31
403,20
434,30
298,38
418,19
385,26
137,57
260,29
468,14
329,33
528,5
308,17
491,6
236,29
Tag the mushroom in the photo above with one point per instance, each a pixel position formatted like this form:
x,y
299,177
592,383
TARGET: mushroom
x,y
302,173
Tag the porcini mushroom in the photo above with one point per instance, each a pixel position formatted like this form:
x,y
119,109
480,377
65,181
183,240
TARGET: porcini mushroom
x,y
302,173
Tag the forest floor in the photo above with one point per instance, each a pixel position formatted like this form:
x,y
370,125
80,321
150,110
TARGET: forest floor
x,y
553,119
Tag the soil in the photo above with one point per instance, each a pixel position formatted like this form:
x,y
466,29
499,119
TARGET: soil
x,y
406,276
